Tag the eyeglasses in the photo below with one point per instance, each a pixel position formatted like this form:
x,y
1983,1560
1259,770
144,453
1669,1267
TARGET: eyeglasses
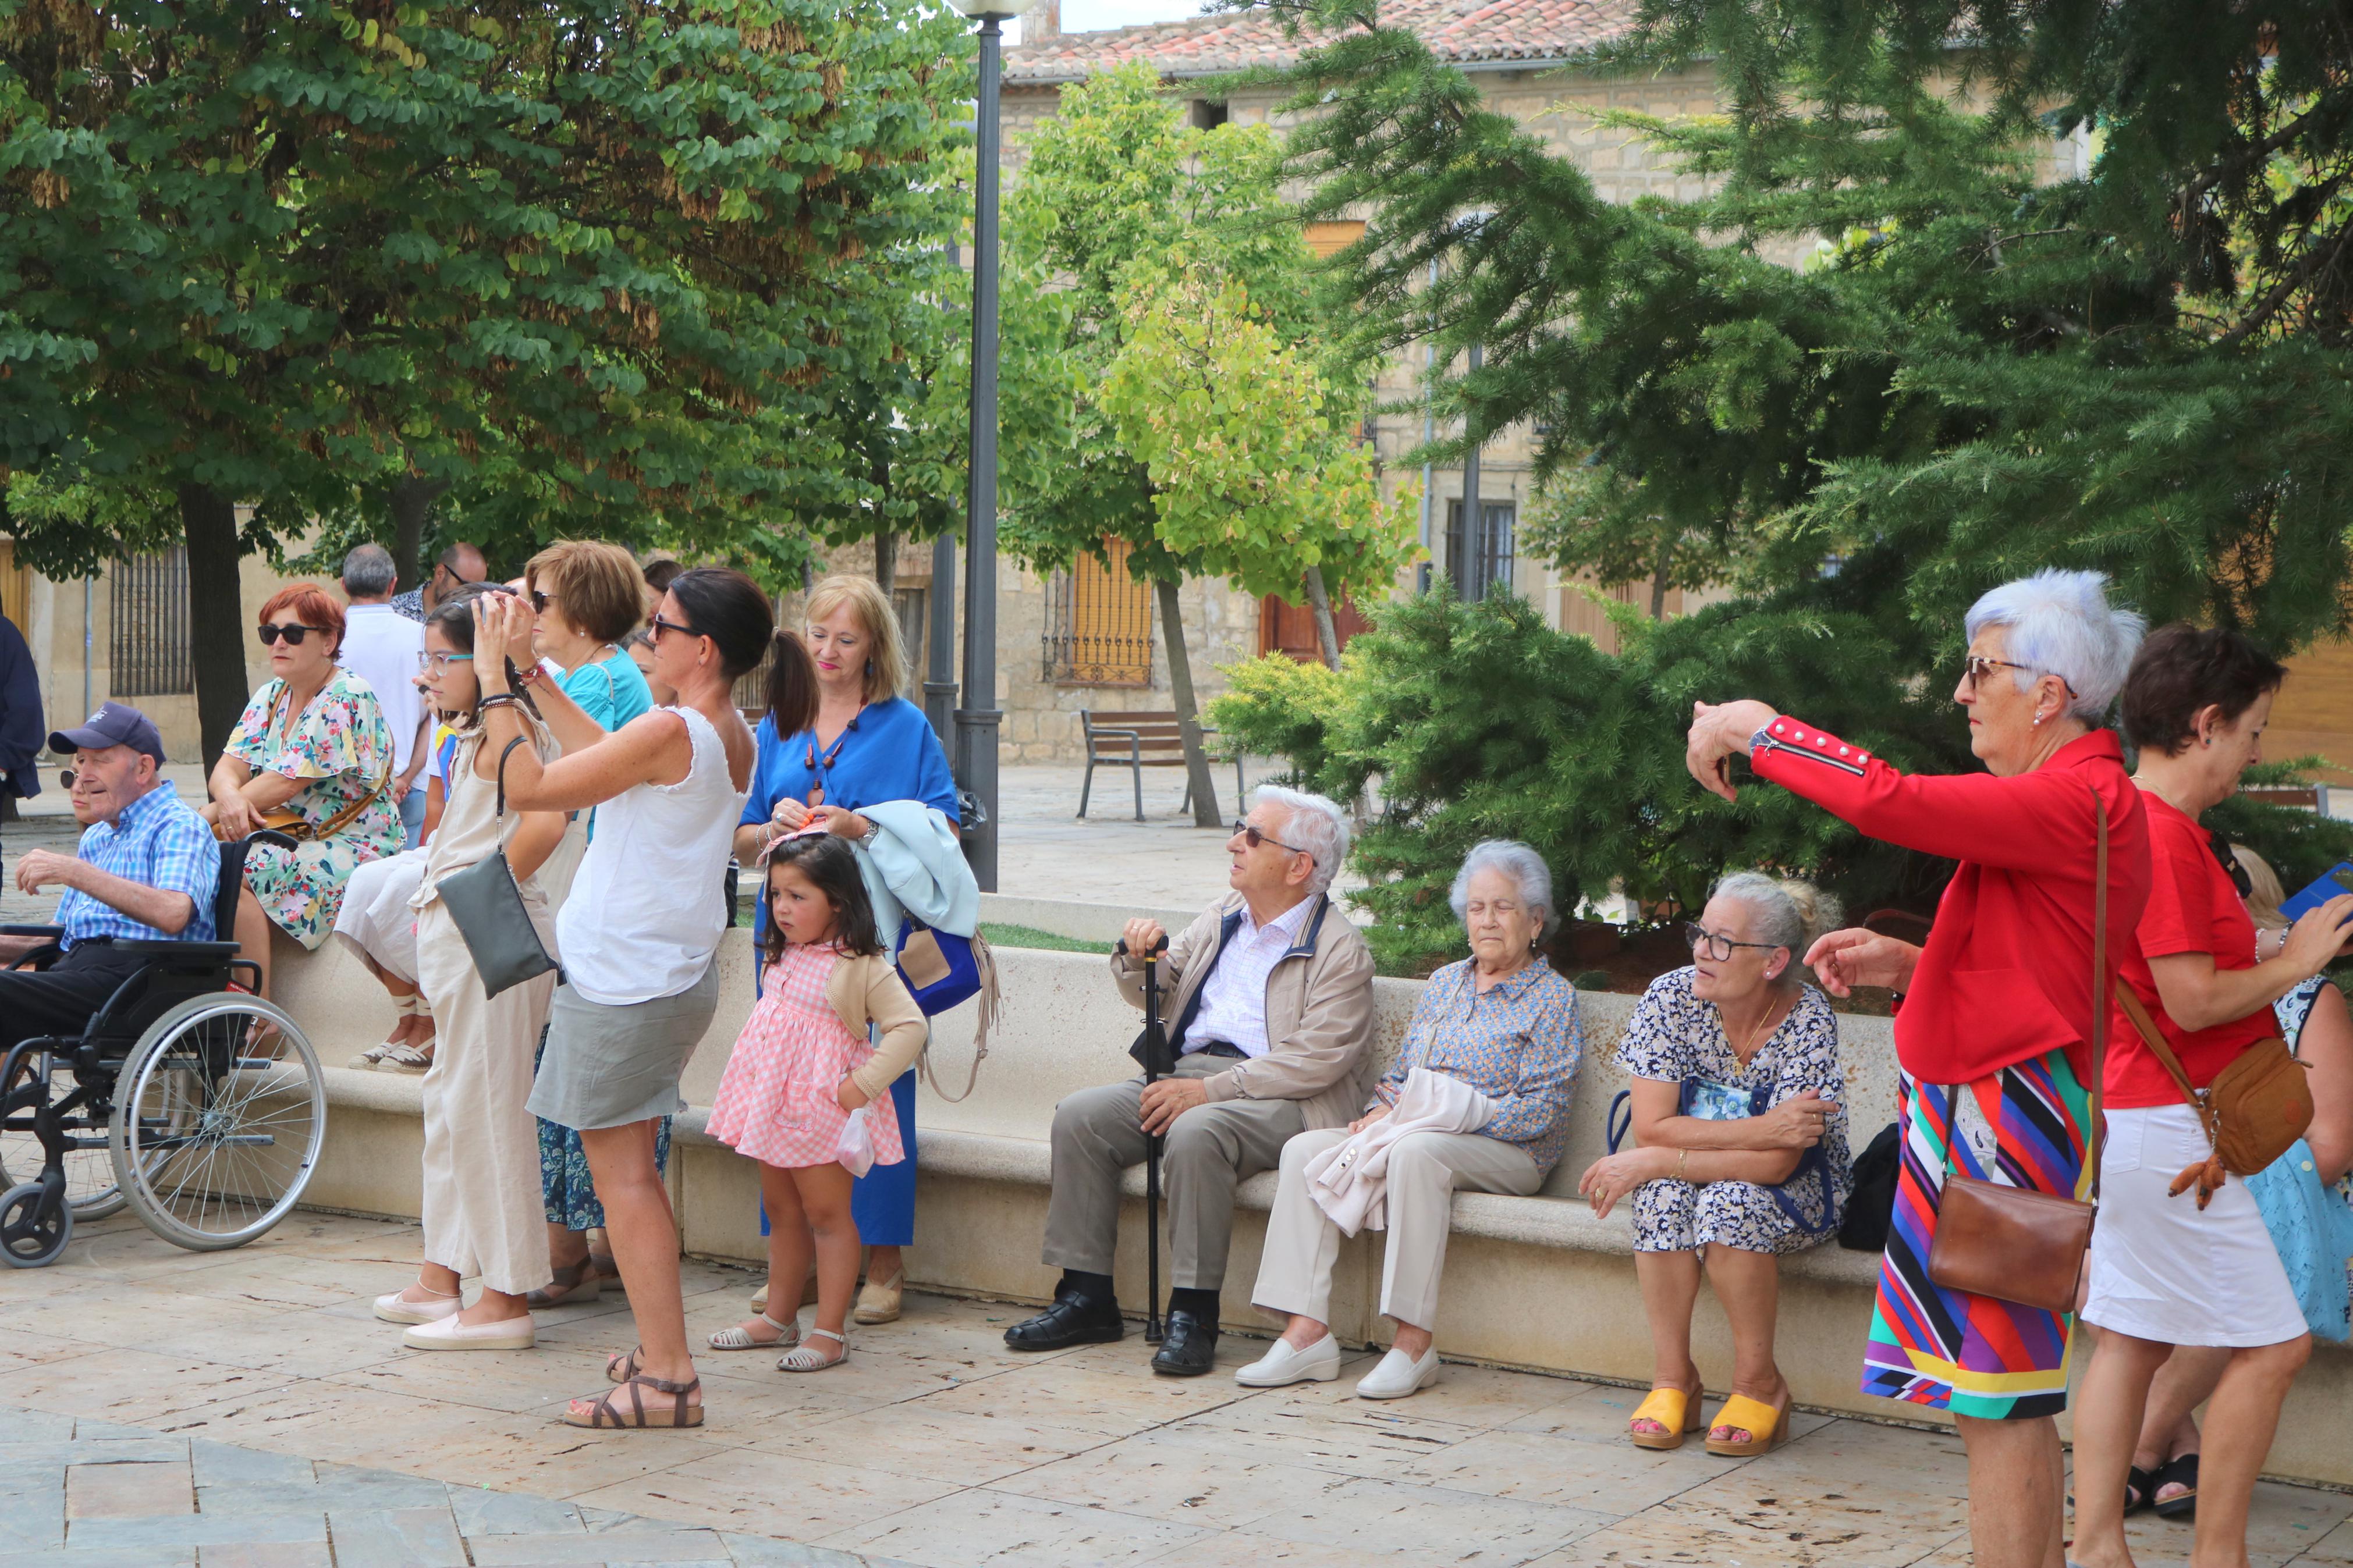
x,y
1256,837
293,632
539,600
661,626
1977,667
1707,944
428,660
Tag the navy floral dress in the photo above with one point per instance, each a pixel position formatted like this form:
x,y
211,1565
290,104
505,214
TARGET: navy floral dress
x,y
1673,1036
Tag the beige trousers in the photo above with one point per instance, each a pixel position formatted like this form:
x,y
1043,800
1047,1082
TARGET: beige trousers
x,y
1425,1170
483,1209
1209,1150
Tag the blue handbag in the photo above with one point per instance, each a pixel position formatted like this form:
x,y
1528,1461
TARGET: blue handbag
x,y
940,968
1709,1100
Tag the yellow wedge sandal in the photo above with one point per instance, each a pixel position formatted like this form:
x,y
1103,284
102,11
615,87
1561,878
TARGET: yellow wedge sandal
x,y
1672,1408
1766,1426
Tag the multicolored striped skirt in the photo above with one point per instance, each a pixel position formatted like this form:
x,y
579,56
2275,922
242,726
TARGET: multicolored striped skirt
x,y
1973,1355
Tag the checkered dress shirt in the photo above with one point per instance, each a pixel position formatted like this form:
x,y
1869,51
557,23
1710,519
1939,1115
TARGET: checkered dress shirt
x,y
158,841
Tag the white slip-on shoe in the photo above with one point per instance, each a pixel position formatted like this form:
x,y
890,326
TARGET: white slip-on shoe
x,y
1283,1365
449,1334
393,1310
1398,1376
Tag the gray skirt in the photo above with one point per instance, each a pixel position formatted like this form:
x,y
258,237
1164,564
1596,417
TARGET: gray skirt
x,y
608,1066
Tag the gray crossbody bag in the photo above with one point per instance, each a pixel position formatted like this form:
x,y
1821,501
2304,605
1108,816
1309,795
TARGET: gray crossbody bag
x,y
488,907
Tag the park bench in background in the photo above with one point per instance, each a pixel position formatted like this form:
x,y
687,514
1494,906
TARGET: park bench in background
x,y
1137,740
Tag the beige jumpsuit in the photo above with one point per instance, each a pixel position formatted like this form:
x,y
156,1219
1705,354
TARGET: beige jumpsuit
x,y
483,1209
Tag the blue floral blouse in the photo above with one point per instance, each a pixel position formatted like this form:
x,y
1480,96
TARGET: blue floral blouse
x,y
1518,1045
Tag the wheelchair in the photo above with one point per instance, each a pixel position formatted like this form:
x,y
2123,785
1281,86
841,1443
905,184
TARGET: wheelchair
x,y
187,1098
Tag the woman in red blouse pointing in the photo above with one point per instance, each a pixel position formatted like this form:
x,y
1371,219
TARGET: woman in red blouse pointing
x,y
1994,1031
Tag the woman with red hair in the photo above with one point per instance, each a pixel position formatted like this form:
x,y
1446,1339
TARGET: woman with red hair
x,y
311,756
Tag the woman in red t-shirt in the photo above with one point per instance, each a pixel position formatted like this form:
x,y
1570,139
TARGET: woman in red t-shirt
x,y
2165,1272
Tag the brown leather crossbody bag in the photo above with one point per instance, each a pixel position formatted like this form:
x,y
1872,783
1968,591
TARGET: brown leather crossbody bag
x,y
2256,1106
2014,1244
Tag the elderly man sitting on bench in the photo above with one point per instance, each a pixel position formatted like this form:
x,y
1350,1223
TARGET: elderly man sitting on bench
x,y
147,869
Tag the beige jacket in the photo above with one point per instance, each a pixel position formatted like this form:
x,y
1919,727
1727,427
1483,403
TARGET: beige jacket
x,y
861,989
1319,1011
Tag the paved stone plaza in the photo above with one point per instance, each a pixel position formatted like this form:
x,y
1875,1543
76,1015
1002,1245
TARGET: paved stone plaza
x,y
165,1408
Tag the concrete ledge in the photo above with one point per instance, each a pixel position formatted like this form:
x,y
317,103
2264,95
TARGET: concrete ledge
x,y
1534,1282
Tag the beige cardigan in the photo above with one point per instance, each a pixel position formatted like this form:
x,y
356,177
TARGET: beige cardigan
x,y
1319,1012
870,988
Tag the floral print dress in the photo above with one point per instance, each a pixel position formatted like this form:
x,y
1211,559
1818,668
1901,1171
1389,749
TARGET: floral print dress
x,y
341,749
1673,1036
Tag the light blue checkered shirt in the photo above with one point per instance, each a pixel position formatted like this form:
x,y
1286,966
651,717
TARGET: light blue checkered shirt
x,y
157,840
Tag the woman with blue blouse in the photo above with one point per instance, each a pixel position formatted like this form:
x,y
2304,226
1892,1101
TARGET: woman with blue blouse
x,y
1501,1027
1737,1085
870,745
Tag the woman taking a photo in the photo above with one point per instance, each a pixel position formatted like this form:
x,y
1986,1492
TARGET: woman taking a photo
x,y
2169,1269
1735,1069
313,743
481,1146
867,745
638,932
1994,1035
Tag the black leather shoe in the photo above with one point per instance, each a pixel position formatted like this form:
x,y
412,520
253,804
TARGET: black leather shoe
x,y
1187,1348
1072,1320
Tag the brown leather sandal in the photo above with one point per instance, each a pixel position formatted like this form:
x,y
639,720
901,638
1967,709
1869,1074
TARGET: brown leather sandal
x,y
603,1414
621,1368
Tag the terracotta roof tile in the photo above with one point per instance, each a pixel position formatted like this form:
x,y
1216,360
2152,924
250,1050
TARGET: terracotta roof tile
x,y
1460,30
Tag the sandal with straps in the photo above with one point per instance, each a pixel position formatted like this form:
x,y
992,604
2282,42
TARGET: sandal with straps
x,y
806,1356
736,1337
575,1283
604,1414
404,1008
621,1368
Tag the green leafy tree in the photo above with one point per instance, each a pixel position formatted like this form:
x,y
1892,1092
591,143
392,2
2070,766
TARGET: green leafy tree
x,y
1210,423
2072,294
584,266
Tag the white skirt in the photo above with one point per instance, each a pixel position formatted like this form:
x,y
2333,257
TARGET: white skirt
x,y
2164,1270
375,917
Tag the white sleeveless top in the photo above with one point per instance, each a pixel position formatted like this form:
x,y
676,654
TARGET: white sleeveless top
x,y
647,909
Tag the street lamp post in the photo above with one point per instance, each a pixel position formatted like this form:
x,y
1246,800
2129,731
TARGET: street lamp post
x,y
977,723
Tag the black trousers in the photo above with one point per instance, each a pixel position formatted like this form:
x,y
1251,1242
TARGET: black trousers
x,y
60,999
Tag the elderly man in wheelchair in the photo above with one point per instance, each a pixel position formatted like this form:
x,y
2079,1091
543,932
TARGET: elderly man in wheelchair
x,y
134,1068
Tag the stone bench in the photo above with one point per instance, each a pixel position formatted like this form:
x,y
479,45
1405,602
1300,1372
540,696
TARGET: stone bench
x,y
1534,1282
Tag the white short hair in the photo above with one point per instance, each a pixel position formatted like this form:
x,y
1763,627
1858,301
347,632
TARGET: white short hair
x,y
1789,913
1313,823
1524,866
2061,623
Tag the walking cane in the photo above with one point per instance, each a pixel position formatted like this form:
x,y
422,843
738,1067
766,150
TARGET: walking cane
x,y
1151,1051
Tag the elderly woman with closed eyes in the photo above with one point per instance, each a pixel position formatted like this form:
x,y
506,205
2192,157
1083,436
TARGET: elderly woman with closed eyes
x,y
1501,1027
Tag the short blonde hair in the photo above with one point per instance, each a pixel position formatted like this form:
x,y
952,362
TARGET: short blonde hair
x,y
886,663
602,593
2266,893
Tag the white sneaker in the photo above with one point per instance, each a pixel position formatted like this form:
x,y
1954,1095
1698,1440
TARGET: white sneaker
x,y
393,1310
1398,1376
1284,1364
449,1334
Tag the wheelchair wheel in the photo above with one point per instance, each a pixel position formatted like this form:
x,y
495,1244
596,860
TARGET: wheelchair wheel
x,y
33,1230
91,1186
219,1115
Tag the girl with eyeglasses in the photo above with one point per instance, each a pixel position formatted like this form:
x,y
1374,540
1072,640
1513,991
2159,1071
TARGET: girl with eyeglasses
x,y
311,755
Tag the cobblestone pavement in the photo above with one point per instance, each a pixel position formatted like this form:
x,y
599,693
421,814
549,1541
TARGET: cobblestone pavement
x,y
164,1407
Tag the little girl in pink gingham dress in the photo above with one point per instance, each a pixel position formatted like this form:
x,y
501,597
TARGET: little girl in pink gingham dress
x,y
801,1066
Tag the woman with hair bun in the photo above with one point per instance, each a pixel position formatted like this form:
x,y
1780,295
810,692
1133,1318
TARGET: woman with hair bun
x,y
1737,1079
639,931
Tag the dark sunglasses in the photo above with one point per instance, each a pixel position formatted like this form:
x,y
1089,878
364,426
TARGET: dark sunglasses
x,y
1702,941
661,626
292,631
539,601
1977,667
1254,838
2240,877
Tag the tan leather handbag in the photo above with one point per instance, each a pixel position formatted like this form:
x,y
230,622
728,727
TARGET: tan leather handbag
x,y
2012,1243
2256,1106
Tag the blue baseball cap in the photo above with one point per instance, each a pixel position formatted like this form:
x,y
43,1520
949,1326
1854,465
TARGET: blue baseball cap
x,y
115,724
